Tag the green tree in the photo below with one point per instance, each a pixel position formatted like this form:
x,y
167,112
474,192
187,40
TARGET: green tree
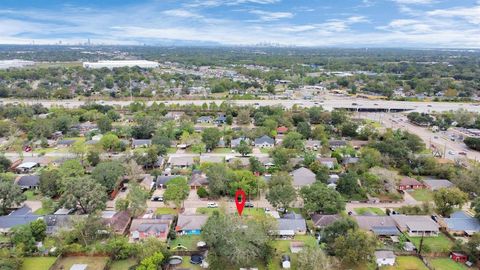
x,y
108,174
281,192
137,198
199,148
217,174
10,195
304,129
93,157
71,168
110,142
104,124
318,198
39,229
281,157
355,247
293,140
476,207
5,163
211,137
244,149
83,192
446,199
177,191
322,172
23,240
313,258
151,263
235,242
50,182
337,228
348,185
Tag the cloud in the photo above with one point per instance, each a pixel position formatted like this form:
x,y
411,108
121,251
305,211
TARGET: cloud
x,y
414,2
472,15
268,16
181,13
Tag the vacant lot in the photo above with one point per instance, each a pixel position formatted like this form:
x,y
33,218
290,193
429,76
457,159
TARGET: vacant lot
x,y
38,263
94,263
447,264
407,263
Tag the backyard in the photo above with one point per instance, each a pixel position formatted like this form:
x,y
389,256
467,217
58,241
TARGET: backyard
x,y
165,211
188,241
406,263
438,243
123,264
94,263
446,264
38,263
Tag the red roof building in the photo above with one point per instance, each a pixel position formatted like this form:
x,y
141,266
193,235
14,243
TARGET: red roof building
x,y
282,130
458,257
408,183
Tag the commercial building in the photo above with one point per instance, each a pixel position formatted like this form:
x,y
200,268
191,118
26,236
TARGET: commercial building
x,y
121,63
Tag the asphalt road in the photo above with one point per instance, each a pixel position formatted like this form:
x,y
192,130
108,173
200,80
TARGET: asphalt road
x,y
328,102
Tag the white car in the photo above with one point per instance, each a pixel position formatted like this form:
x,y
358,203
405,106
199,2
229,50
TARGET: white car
x,y
212,205
452,153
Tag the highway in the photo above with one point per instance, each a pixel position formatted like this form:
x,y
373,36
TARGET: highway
x,y
328,103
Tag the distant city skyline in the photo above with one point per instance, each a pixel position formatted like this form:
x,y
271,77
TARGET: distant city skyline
x,y
316,23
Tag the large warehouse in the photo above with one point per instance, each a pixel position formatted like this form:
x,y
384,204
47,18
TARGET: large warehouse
x,y
121,63
15,63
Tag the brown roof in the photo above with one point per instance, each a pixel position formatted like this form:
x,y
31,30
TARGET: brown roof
x,y
408,181
119,222
282,129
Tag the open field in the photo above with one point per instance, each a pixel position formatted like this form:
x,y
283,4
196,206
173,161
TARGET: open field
x,y
38,263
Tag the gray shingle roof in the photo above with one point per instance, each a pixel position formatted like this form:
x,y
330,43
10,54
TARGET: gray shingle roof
x,y
291,224
435,184
28,180
191,222
303,177
264,139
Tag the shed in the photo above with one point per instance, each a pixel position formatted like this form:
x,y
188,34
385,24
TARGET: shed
x,y
385,257
458,257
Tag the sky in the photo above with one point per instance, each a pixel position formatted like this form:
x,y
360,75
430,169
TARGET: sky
x,y
316,23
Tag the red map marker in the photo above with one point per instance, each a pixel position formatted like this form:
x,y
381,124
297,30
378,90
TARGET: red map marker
x,y
240,204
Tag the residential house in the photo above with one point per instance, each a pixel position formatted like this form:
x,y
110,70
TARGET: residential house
x,y
26,167
334,144
242,162
385,257
181,162
378,225
211,159
21,216
142,228
329,162
141,143
159,163
264,142
174,115
162,180
291,226
266,161
236,142
204,120
190,224
313,144
57,222
28,181
435,184
303,177
462,224
416,225
85,127
282,130
322,221
65,143
358,144
346,161
118,222
221,120
408,183
198,179
333,179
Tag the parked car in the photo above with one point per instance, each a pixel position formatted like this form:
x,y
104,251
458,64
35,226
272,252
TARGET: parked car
x,y
249,205
462,153
157,199
212,205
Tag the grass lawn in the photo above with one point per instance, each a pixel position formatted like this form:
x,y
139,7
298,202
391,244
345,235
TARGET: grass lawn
x,y
32,195
42,211
406,263
366,210
123,264
38,263
438,243
422,195
165,211
253,212
265,150
446,264
206,211
188,241
94,263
